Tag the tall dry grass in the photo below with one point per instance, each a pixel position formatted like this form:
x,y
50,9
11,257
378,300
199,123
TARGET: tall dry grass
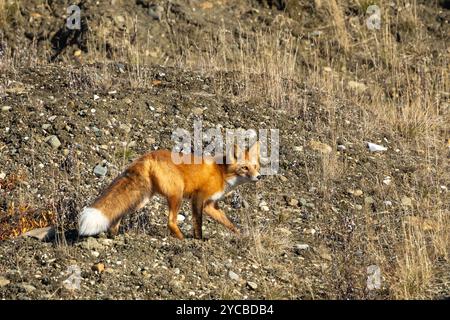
x,y
403,96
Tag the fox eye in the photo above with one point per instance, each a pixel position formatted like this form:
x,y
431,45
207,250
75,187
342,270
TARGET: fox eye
x,y
245,168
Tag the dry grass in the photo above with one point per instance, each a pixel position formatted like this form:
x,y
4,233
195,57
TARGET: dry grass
x,y
405,98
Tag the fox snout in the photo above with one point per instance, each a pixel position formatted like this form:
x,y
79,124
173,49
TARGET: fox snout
x,y
256,177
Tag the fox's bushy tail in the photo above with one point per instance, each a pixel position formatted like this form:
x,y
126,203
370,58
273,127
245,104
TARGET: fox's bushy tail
x,y
124,194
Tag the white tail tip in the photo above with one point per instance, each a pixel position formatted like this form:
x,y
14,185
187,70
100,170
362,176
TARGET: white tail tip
x,y
91,222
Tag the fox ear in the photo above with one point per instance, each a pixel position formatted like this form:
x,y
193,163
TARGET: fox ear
x,y
254,151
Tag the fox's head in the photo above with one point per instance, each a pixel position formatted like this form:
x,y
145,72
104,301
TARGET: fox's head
x,y
245,164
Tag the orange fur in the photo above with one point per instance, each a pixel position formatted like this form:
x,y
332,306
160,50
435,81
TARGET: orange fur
x,y
204,183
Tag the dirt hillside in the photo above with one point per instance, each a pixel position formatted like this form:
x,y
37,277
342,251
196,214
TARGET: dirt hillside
x,y
337,222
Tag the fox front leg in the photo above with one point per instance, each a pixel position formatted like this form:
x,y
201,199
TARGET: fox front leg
x,y
212,210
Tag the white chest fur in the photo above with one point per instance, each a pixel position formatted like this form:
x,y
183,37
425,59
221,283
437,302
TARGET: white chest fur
x,y
229,186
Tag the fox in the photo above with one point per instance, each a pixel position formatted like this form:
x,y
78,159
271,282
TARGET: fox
x,y
204,180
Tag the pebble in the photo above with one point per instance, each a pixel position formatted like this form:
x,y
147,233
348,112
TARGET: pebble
x,y
6,108
233,276
356,193
53,141
387,180
358,87
28,287
252,285
99,267
155,12
4,282
406,201
301,247
180,218
125,127
100,170
320,147
198,111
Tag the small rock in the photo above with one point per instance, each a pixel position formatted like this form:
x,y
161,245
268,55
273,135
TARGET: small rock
x,y
324,253
95,254
369,200
180,218
2,175
120,20
28,287
357,87
320,147
4,282
233,276
99,267
96,97
387,180
406,201
252,285
155,12
53,141
387,203
298,148
375,147
42,234
373,277
298,248
197,111
46,126
293,202
341,147
6,108
100,170
125,127
52,118
106,242
358,207
356,193
303,202
91,244
128,101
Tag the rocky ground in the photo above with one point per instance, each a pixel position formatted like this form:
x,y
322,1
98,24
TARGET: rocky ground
x,y
67,129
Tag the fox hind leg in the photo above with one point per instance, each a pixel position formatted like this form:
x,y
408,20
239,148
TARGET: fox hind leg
x,y
197,216
113,229
174,203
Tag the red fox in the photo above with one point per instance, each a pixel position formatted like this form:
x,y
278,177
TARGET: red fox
x,y
205,181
